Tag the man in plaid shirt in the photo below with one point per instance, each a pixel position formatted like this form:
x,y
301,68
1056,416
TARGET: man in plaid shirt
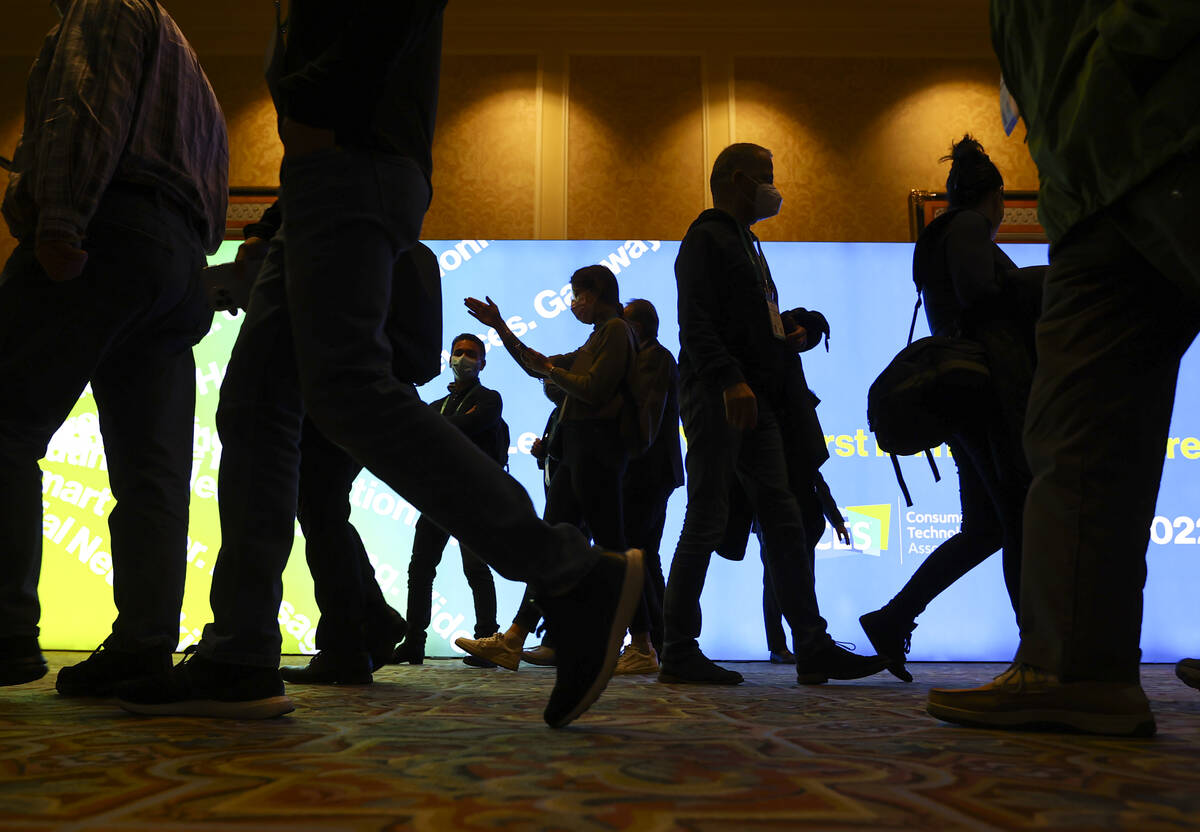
x,y
119,187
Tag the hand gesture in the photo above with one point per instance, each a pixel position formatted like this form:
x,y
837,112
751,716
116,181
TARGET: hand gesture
x,y
843,534
487,313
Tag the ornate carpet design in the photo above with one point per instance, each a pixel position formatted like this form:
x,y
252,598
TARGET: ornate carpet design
x,y
447,747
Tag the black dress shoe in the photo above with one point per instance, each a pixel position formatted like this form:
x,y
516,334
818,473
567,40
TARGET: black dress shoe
x,y
21,661
696,669
784,656
836,662
328,668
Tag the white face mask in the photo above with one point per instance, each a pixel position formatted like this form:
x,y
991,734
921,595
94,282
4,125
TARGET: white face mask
x,y
464,367
767,201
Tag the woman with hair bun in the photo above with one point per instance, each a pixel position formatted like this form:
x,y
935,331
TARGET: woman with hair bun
x,y
972,289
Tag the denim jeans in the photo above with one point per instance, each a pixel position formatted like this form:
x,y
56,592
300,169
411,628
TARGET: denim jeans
x,y
127,325
1109,342
758,458
354,612
429,542
314,340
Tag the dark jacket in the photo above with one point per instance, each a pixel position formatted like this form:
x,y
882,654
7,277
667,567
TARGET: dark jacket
x,y
366,69
725,334
477,411
660,468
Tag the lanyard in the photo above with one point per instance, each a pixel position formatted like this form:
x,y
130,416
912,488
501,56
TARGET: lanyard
x,y
458,408
759,261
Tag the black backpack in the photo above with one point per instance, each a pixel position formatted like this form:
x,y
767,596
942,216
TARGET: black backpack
x,y
931,388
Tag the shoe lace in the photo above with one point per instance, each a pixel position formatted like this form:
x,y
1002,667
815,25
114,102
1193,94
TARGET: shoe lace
x,y
908,639
1021,674
847,645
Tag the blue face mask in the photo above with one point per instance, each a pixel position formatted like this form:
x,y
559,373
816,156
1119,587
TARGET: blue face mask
x,y
464,367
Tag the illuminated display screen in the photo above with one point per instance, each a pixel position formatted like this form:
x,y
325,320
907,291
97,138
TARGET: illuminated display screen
x,y
866,292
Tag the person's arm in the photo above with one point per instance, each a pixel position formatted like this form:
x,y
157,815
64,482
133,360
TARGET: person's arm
x,y
378,33
90,97
598,382
830,507
483,414
699,306
656,396
488,313
267,225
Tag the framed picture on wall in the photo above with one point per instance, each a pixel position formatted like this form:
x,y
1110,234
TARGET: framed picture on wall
x,y
246,206
1020,215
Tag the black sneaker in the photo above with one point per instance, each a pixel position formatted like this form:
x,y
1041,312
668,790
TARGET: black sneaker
x,y
100,673
784,656
476,661
589,623
1188,671
891,636
21,661
696,669
202,687
836,662
329,667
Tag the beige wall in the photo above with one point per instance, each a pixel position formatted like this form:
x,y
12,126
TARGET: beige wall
x,y
600,120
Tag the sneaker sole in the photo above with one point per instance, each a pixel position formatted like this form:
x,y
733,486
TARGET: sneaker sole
x,y
667,678
538,662
250,709
500,661
631,594
1038,719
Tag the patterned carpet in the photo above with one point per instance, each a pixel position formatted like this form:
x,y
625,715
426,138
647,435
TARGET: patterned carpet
x,y
446,747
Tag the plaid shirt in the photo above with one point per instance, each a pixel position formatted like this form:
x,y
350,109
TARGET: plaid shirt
x,y
116,95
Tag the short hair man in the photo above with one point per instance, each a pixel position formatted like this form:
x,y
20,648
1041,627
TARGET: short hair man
x,y
748,415
478,412
118,189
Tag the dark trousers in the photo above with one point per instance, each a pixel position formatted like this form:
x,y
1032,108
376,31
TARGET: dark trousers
x,y
1109,342
429,541
645,517
585,492
814,527
127,325
353,609
314,339
758,458
981,532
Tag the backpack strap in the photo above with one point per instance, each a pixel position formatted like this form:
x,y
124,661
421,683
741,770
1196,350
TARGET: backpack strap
x,y
913,326
900,479
932,465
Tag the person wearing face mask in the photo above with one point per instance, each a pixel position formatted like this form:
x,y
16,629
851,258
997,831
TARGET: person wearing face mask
x,y
476,411
586,487
750,422
972,289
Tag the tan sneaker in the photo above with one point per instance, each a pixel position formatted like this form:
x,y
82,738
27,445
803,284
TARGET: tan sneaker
x,y
1024,697
493,648
634,661
542,655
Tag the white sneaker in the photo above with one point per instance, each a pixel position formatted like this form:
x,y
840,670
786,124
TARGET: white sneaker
x,y
493,648
636,661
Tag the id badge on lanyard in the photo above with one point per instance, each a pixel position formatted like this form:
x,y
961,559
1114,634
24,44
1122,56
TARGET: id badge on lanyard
x,y
772,306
